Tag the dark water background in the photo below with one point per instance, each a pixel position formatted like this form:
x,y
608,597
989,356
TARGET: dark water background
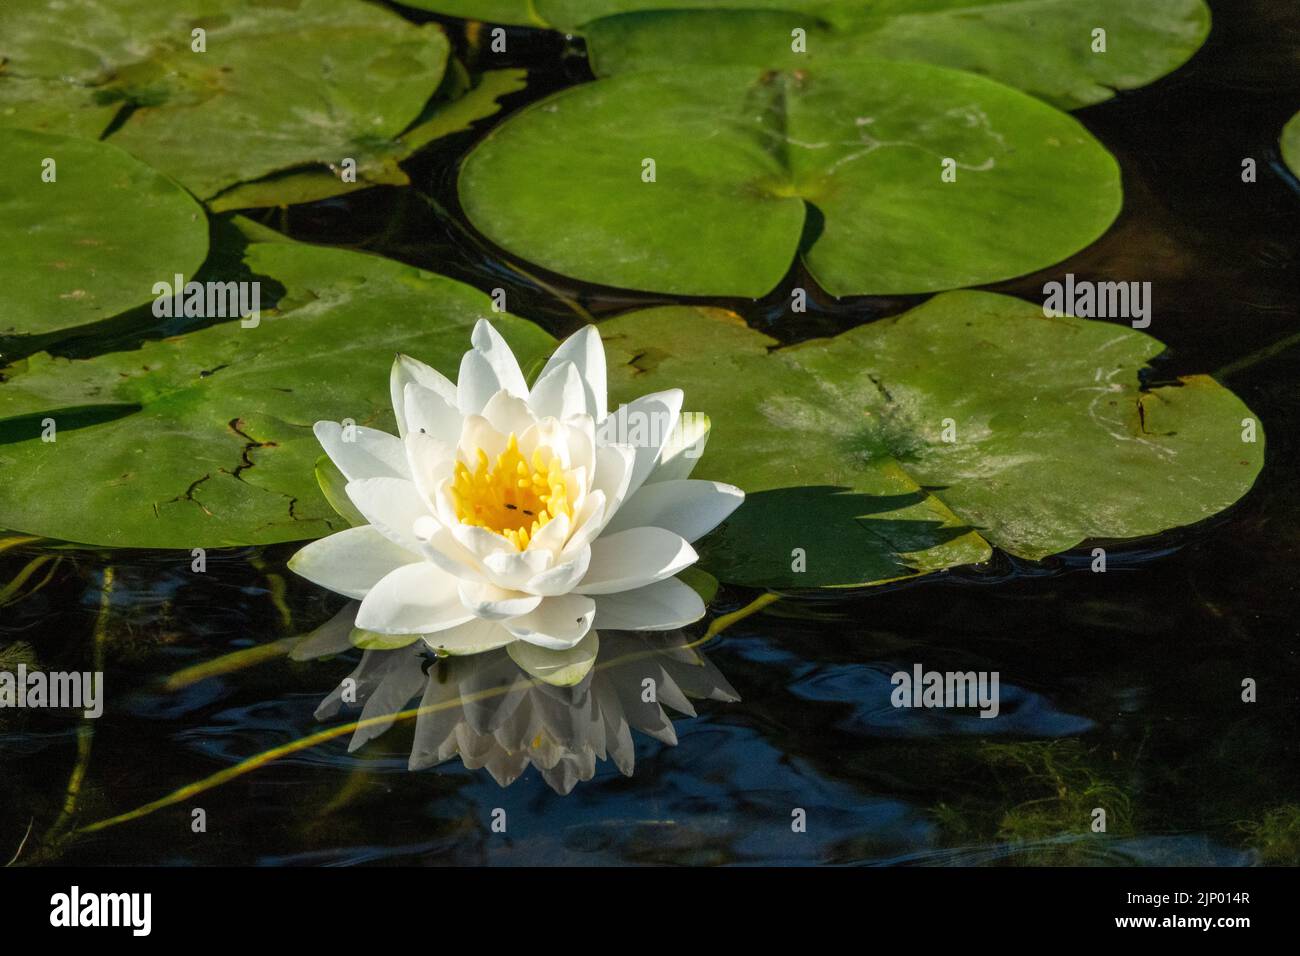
x,y
1120,690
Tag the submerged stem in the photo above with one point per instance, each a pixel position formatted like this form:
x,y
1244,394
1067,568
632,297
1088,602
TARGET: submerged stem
x,y
86,731
1259,355
228,663
11,591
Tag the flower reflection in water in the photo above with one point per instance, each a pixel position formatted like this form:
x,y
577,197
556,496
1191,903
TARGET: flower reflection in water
x,y
493,714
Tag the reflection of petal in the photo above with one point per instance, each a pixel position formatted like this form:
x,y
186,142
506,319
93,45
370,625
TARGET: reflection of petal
x,y
558,668
503,717
330,638
397,685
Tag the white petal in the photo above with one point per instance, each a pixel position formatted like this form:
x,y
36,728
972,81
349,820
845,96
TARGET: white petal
x,y
406,371
585,351
634,558
511,568
507,414
477,433
392,505
549,434
429,412
661,606
481,542
581,442
646,424
431,462
350,562
559,393
414,599
476,384
440,547
492,603
552,536
588,522
557,623
369,454
562,578
689,508
683,448
473,637
488,341
560,668
613,474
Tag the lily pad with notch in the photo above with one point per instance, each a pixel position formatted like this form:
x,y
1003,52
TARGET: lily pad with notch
x,y
922,179
922,442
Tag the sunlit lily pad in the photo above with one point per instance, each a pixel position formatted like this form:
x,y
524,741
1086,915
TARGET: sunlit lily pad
x,y
206,439
87,231
1291,144
921,442
1045,47
279,85
748,163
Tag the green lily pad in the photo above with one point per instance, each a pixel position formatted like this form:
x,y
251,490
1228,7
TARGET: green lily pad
x,y
844,166
1291,144
446,115
205,439
842,445
92,242
281,84
1045,47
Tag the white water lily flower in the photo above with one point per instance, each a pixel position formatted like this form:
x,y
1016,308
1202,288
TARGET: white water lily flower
x,y
488,711
507,516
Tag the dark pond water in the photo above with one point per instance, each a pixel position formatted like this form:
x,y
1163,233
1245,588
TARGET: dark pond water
x,y
1120,690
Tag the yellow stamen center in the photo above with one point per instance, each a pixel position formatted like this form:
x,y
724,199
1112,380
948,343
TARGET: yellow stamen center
x,y
512,496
